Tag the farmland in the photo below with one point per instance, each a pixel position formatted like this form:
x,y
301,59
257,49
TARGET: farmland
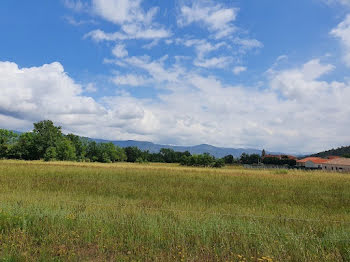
x,y
69,211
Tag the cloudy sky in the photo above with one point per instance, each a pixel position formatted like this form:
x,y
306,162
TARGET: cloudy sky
x,y
236,73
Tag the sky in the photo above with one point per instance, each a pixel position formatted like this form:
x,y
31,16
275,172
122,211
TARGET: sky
x,y
232,73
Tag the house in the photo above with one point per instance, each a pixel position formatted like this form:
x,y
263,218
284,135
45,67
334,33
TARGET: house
x,y
337,164
312,162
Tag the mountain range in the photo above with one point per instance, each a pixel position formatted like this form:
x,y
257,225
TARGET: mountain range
x,y
198,149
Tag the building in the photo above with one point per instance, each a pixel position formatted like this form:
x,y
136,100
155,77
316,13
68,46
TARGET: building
x,y
337,164
312,162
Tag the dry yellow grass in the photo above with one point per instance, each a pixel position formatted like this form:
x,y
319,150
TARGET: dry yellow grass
x,y
63,211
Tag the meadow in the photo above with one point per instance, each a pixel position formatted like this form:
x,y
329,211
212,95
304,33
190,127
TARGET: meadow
x,y
66,211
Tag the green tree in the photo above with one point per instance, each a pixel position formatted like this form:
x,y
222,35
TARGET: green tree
x,y
66,150
132,153
92,151
50,154
80,145
7,141
46,135
228,159
110,153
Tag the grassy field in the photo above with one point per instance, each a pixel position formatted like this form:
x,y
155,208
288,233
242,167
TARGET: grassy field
x,y
64,211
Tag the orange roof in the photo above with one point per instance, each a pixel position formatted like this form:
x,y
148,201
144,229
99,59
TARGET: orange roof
x,y
316,160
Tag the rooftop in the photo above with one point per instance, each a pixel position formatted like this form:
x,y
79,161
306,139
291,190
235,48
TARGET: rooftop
x,y
339,161
316,160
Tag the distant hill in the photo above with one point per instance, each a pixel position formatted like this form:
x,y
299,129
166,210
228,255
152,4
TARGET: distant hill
x,y
341,151
199,149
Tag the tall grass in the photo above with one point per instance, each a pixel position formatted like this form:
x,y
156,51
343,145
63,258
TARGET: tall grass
x,y
64,211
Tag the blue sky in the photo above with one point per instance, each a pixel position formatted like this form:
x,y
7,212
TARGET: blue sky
x,y
263,74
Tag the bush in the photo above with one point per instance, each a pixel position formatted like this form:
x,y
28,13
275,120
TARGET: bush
x,y
219,163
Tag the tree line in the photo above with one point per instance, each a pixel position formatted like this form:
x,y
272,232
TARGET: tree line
x,y
343,151
258,159
47,142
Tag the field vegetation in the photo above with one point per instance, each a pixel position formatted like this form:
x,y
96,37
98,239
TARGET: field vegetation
x,y
70,211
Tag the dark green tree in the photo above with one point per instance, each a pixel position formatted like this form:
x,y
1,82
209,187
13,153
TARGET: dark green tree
x,y
7,142
46,135
229,159
132,153
65,150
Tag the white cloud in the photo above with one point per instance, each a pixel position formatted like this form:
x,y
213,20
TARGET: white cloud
x,y
120,51
239,69
341,2
47,92
215,17
156,69
301,83
135,33
121,11
312,114
90,88
342,32
129,15
214,62
75,5
203,47
37,92
131,80
74,22
248,44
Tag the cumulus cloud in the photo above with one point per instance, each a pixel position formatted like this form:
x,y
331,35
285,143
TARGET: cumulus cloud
x,y
196,109
301,82
342,32
47,92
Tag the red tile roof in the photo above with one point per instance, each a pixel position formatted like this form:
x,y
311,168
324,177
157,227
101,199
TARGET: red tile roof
x,y
315,160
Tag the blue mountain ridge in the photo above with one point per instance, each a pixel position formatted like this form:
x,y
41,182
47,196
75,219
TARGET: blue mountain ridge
x,y
218,152
198,149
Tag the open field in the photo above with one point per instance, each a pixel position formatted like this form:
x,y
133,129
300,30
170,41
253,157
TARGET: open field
x,y
64,211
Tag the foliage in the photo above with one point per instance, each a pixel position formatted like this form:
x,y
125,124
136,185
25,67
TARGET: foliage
x,y
340,151
279,162
7,140
66,150
250,159
204,160
46,135
132,153
50,154
229,159
49,143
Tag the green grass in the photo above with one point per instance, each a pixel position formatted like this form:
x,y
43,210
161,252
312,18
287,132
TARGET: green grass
x,y
64,211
